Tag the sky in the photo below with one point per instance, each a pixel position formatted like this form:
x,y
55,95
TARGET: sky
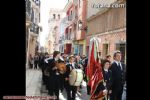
x,y
45,6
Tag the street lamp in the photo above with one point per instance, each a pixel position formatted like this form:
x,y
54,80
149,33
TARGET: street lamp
x,y
81,26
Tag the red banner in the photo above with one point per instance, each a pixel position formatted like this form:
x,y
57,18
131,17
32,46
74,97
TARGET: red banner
x,y
94,73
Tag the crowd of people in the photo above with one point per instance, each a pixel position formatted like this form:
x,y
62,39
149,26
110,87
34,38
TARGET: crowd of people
x,y
55,81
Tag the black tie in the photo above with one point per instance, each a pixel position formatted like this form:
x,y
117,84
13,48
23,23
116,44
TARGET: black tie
x,y
119,66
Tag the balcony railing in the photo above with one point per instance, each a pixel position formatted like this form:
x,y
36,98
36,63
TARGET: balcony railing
x,y
28,10
68,37
34,28
72,17
37,2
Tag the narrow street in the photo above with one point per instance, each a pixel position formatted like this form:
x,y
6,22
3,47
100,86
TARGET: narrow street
x,y
85,35
33,82
34,86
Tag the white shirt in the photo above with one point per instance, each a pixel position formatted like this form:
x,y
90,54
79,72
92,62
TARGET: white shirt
x,y
73,65
46,60
118,64
105,69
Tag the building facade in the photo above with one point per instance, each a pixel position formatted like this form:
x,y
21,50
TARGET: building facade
x,y
75,35
55,17
109,25
80,39
32,28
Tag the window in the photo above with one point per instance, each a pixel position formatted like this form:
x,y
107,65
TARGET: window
x,y
80,49
79,3
54,16
58,16
87,51
32,16
78,25
71,12
74,27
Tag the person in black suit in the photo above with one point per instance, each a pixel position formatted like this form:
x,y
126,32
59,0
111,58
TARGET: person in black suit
x,y
45,71
118,77
54,81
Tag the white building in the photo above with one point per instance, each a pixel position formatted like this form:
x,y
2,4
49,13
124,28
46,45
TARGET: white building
x,y
55,17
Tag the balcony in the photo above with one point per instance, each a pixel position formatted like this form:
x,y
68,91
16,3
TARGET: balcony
x,y
72,36
28,12
28,17
37,2
34,29
72,17
69,37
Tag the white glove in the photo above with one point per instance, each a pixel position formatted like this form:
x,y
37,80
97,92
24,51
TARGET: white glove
x,y
104,92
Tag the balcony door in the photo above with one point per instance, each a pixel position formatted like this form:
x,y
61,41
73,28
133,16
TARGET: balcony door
x,y
80,49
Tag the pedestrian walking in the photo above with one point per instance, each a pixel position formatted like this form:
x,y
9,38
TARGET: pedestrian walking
x,y
41,60
45,73
54,81
36,58
31,61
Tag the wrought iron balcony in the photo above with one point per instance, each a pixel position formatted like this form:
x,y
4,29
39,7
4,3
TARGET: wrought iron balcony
x,y
37,2
68,37
28,10
34,28
70,18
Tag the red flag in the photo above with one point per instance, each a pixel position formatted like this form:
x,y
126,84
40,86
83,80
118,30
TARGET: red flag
x,y
94,73
96,80
91,64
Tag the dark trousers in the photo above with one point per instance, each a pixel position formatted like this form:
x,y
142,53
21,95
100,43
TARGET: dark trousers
x,y
56,92
116,95
43,77
88,90
31,65
71,92
54,85
35,64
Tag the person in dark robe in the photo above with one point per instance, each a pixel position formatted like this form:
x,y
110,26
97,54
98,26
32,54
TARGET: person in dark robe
x,y
31,61
36,58
41,60
45,73
54,80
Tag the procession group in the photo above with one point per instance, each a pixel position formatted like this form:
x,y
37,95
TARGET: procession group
x,y
67,72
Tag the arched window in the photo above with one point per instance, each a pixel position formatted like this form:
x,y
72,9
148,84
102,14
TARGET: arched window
x,y
54,16
58,16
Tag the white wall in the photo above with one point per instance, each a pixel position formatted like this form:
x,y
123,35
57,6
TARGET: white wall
x,y
92,11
